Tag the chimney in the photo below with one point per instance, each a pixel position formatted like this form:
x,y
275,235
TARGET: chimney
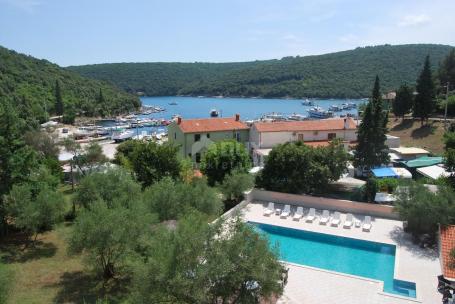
x,y
179,120
237,117
346,124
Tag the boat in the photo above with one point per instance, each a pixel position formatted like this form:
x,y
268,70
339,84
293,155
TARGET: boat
x,y
214,113
296,116
319,113
122,135
307,102
348,106
335,108
173,103
273,117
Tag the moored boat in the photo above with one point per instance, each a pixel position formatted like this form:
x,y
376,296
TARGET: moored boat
x,y
319,113
307,102
214,113
122,135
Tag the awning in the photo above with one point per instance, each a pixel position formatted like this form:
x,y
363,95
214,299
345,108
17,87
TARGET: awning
x,y
423,161
402,172
433,172
384,172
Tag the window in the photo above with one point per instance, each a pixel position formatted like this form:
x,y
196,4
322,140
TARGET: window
x,y
175,135
197,137
315,133
332,136
208,135
300,137
237,136
198,158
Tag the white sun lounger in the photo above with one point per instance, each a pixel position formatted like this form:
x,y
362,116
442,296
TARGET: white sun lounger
x,y
270,209
298,214
348,221
335,219
311,215
286,211
366,223
325,217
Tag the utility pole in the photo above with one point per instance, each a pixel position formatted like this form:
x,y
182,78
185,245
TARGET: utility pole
x,y
447,102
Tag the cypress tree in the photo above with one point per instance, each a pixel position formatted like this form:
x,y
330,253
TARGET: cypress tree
x,y
100,98
424,103
58,99
447,70
403,101
371,150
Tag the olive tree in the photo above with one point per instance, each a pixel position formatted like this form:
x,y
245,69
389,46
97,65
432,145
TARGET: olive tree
x,y
34,210
223,157
423,209
226,262
298,168
109,235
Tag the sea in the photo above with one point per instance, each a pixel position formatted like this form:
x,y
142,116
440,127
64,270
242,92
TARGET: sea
x,y
247,108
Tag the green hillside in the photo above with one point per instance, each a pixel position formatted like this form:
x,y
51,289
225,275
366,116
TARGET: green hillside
x,y
342,74
31,83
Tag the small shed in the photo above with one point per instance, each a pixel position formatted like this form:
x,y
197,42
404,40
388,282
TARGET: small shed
x,y
409,153
384,172
433,172
423,161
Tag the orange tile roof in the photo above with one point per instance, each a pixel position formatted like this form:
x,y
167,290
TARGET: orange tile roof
x,y
211,125
330,124
446,244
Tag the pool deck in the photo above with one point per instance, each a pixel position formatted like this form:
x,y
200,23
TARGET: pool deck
x,y
311,285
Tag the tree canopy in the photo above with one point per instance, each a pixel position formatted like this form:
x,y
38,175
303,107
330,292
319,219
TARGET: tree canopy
x,y
424,102
215,267
423,209
47,88
341,74
403,102
223,157
371,149
171,200
297,168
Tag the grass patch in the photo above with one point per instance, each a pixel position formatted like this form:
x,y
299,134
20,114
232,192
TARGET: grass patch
x,y
45,273
412,134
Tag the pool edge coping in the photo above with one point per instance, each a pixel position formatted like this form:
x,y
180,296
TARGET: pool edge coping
x,y
381,291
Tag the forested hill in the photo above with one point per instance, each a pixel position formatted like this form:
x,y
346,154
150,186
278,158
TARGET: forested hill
x,y
342,74
31,82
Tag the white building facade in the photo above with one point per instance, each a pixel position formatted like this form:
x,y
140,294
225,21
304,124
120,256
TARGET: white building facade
x,y
266,135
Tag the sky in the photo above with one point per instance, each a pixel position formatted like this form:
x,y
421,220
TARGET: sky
x,y
97,31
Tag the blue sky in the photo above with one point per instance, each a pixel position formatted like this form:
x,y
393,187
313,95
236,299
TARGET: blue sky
x,y
96,31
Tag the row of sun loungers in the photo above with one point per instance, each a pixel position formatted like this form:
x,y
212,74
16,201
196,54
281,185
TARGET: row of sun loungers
x,y
325,218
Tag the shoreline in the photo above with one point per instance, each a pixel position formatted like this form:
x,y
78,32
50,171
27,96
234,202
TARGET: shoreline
x,y
259,97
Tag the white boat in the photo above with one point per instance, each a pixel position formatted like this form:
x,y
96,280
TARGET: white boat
x,y
307,102
274,117
122,135
318,113
214,113
335,108
296,116
348,106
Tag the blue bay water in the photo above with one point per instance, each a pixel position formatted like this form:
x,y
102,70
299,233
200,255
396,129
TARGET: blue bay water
x,y
248,108
356,257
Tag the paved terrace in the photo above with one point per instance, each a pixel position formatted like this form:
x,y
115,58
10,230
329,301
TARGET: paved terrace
x,y
311,285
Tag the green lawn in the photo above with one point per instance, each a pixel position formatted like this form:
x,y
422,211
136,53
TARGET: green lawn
x,y
45,273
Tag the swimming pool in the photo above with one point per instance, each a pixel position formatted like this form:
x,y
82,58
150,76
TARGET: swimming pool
x,y
341,254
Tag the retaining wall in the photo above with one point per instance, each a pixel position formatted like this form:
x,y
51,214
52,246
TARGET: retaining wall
x,y
308,201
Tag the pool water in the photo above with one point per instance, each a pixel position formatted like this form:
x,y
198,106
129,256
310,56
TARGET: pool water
x,y
351,256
